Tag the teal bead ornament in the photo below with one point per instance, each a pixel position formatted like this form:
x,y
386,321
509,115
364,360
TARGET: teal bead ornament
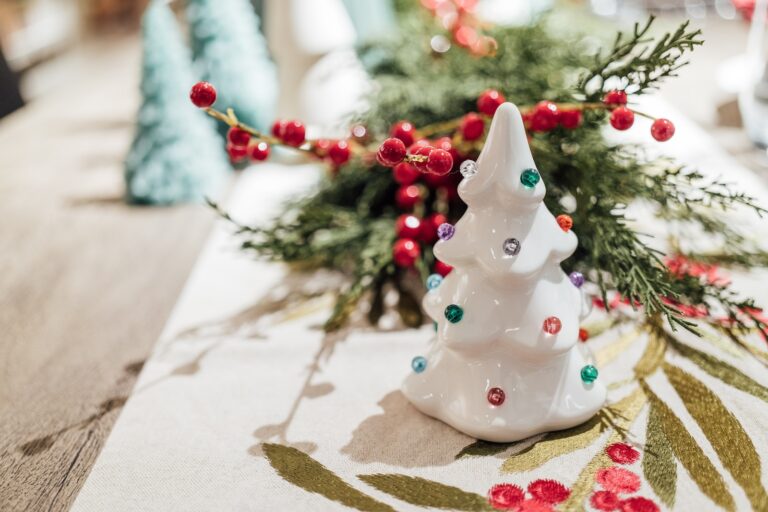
x,y
419,364
454,313
434,281
589,374
530,178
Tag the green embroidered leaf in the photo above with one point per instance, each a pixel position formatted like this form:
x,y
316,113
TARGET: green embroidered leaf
x,y
303,471
659,464
426,493
483,449
732,445
723,371
690,455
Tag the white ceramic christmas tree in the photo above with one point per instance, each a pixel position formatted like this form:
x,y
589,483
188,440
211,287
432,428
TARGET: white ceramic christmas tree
x,y
505,364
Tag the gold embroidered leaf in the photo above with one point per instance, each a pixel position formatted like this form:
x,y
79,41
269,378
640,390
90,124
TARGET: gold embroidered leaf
x,y
301,470
652,357
659,464
732,445
612,351
426,493
690,455
483,448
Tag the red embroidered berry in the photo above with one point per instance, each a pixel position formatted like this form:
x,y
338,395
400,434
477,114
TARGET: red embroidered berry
x,y
440,162
236,153
489,101
442,268
294,133
544,117
238,137
405,252
622,453
622,118
496,396
404,131
618,480
421,151
605,501
565,222
662,130
405,174
406,197
615,98
340,152
583,335
391,152
638,504
548,491
429,225
278,128
408,226
505,496
472,126
203,94
259,151
570,119
534,505
552,325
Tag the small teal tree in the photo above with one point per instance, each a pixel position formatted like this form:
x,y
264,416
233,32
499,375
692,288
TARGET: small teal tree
x,y
176,155
231,53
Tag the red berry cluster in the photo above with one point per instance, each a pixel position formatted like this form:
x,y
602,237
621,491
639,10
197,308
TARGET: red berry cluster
x,y
546,116
240,146
337,152
292,133
622,118
457,16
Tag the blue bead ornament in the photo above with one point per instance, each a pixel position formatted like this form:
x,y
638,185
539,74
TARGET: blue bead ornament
x,y
434,281
419,364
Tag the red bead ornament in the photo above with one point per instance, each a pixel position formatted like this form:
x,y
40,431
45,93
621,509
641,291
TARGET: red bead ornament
x,y
391,152
622,118
489,101
544,117
422,151
294,133
440,162
259,151
236,153
405,252
548,491
238,137
505,496
340,152
404,131
496,396
407,196
583,335
405,174
606,501
570,119
565,222
428,232
203,94
278,128
552,325
408,226
472,126
615,98
662,130
442,268
622,453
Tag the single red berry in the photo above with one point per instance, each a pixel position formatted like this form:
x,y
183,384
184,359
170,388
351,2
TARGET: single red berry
x,y
340,152
583,335
321,147
422,151
618,480
565,222
238,137
259,151
505,496
407,196
404,131
294,133
446,144
203,94
428,232
489,101
278,128
548,491
570,119
606,501
622,453
442,268
236,153
439,162
615,98
405,174
391,152
544,117
472,126
622,118
662,130
405,252
408,226
638,504
496,396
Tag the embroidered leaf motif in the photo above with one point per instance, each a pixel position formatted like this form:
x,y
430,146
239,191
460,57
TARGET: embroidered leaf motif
x,y
612,351
426,493
483,449
732,445
659,464
303,471
690,455
652,357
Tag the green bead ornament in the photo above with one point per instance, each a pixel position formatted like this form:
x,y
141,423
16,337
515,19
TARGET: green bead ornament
x,y
589,374
530,178
454,313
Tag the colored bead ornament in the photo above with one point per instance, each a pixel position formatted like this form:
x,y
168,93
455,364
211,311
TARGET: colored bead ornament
x,y
530,178
468,168
496,396
433,281
419,364
583,335
454,313
589,374
577,279
565,222
552,325
511,246
445,231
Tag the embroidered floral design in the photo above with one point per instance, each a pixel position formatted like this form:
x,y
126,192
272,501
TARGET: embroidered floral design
x,y
622,453
544,494
618,480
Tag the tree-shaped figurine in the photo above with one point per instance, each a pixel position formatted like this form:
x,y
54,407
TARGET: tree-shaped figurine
x,y
505,364
174,156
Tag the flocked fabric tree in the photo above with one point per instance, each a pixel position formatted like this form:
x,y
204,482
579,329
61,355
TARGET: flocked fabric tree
x,y
506,364
174,156
231,53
